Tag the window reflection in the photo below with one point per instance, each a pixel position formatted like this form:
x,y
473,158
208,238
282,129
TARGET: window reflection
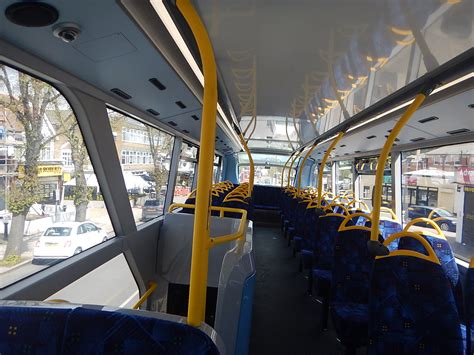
x,y
438,183
186,170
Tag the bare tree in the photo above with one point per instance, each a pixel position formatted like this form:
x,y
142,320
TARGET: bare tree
x,y
28,99
160,146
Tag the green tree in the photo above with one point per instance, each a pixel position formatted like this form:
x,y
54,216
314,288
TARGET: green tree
x,y
69,128
28,99
160,147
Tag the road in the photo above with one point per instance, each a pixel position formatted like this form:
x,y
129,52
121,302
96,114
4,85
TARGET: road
x,y
111,284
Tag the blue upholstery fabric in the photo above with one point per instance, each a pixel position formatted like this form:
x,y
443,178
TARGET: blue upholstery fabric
x,y
31,330
443,251
412,309
469,307
324,242
350,286
266,197
350,321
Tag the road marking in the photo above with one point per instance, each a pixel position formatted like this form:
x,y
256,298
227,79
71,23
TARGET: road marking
x,y
129,299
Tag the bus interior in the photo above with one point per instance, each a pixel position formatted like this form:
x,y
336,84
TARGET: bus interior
x,y
235,177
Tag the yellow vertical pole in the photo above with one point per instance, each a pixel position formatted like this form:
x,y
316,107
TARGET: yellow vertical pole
x,y
201,234
297,155
251,165
323,164
284,167
300,172
382,160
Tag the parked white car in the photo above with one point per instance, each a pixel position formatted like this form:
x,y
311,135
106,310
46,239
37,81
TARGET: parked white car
x,y
64,239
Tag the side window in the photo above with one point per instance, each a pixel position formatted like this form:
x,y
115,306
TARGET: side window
x,y
46,176
443,178
186,171
81,229
91,227
145,156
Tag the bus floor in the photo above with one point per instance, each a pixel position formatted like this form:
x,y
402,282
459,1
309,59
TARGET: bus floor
x,y
286,320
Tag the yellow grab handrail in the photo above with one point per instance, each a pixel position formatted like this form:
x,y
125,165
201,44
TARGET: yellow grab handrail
x,y
221,239
297,155
390,211
251,165
323,164
405,252
284,167
300,170
432,223
201,233
145,296
383,159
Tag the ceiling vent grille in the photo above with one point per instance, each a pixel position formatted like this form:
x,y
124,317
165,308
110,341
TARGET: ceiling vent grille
x,y
153,112
459,131
173,123
428,119
180,104
159,85
121,93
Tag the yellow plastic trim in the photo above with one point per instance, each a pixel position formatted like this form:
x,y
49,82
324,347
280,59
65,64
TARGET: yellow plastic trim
x,y
145,296
297,155
323,164
57,300
353,202
390,211
300,170
401,252
251,164
200,253
349,217
471,264
221,239
377,197
432,223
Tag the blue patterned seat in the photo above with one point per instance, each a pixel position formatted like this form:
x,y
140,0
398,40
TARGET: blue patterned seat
x,y
38,330
412,308
350,284
469,307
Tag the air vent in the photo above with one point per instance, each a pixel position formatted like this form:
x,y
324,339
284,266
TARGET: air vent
x,y
174,124
346,153
458,131
357,151
428,119
157,83
371,137
217,137
470,105
153,112
342,145
180,104
185,131
121,93
194,117
389,131
417,139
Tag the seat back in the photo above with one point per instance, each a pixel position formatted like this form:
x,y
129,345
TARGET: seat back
x,y
352,262
60,330
412,309
325,238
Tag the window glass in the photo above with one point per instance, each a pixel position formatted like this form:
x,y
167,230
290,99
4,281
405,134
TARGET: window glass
x,y
186,170
327,177
216,169
145,155
366,169
266,175
344,176
45,183
438,183
111,284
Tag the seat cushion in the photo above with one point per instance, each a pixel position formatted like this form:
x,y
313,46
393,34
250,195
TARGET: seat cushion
x,y
322,274
351,321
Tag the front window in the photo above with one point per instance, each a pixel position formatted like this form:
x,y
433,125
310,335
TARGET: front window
x,y
438,183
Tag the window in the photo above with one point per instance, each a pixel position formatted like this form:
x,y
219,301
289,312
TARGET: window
x,y
366,192
344,176
216,169
438,183
114,276
327,177
145,155
186,170
265,175
46,186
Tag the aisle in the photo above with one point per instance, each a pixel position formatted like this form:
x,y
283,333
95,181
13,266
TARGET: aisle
x,y
285,318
